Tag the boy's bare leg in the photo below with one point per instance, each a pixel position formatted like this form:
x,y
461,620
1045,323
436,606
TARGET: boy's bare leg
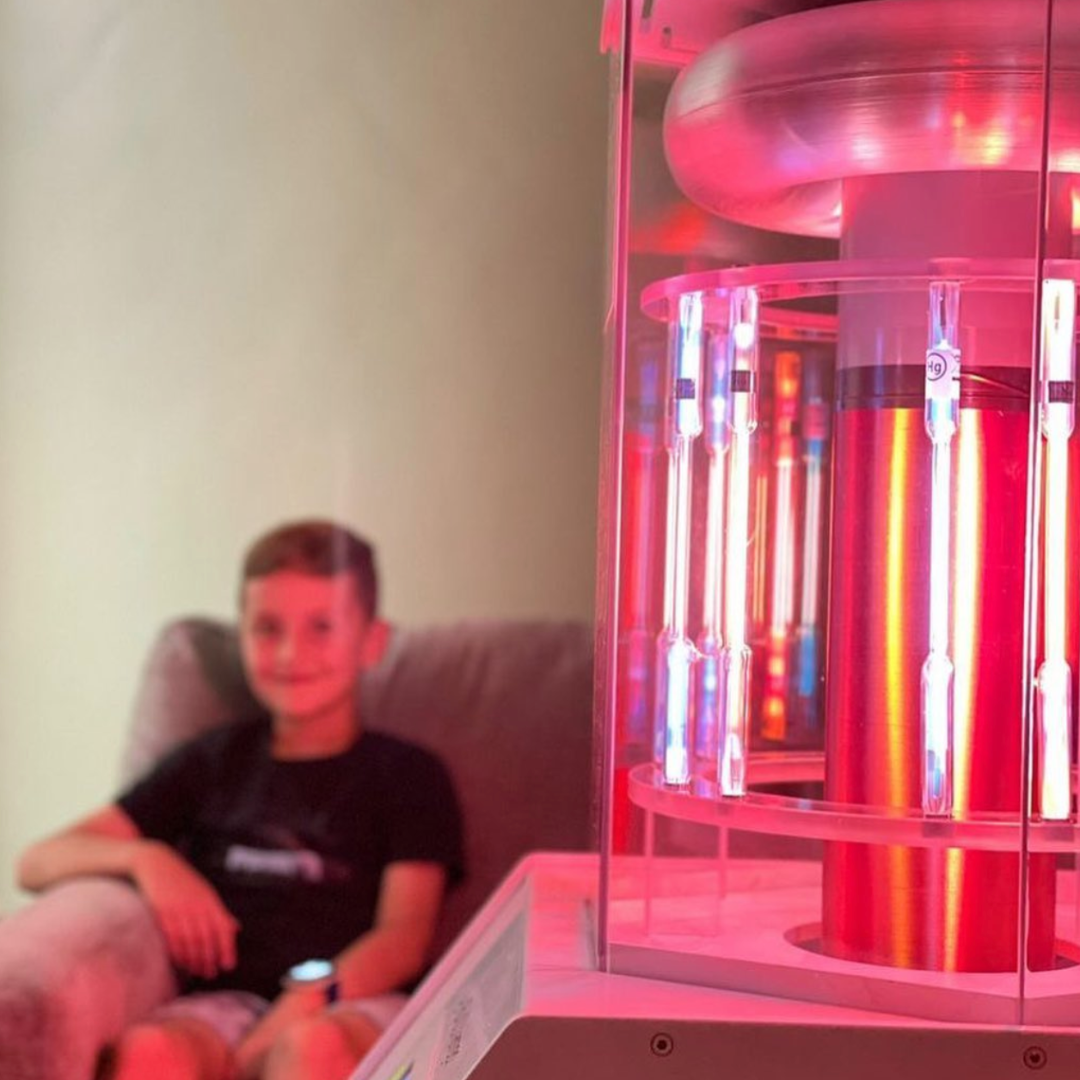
x,y
176,1049
326,1047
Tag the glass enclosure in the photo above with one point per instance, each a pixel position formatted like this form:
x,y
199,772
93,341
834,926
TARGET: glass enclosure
x,y
840,588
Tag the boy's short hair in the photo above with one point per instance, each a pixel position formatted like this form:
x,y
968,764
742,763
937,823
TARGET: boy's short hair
x,y
320,548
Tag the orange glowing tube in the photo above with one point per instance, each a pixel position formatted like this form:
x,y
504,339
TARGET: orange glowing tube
x,y
782,601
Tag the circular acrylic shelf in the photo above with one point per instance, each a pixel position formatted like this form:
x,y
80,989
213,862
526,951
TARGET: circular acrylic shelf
x,y
785,282
700,801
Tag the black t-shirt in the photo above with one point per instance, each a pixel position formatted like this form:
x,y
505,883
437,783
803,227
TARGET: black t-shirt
x,y
296,849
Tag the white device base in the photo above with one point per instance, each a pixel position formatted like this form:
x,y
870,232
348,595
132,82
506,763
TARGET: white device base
x,y
519,997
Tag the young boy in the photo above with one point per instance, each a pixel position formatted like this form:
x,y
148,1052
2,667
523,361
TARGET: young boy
x,y
267,844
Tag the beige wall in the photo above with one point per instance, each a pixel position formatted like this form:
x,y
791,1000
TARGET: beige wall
x,y
261,258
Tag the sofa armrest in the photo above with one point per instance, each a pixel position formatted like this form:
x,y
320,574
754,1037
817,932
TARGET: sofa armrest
x,y
76,965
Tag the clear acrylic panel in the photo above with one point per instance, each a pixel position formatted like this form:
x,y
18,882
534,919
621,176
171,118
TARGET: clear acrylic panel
x,y
607,652
827,562
1050,992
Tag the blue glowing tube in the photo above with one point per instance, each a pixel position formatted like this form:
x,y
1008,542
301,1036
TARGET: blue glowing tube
x,y
815,436
675,651
942,419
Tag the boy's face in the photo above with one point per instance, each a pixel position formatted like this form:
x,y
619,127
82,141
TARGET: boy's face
x,y
304,640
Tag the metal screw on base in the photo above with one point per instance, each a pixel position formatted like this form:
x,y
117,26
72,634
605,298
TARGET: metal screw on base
x,y
1035,1057
662,1044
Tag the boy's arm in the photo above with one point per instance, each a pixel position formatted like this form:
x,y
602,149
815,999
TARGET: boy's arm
x,y
199,931
105,842
388,956
394,951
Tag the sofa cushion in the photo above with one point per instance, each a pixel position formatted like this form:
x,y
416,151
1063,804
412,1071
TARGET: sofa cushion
x,y
192,681
79,963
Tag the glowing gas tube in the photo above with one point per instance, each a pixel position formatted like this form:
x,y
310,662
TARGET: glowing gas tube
x,y
1057,414
675,651
782,603
735,656
816,426
942,418
717,439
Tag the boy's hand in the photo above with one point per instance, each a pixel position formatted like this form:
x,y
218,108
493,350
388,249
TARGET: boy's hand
x,y
288,1008
198,928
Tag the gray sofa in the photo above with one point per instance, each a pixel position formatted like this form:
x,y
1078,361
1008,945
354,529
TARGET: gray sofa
x,y
507,705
